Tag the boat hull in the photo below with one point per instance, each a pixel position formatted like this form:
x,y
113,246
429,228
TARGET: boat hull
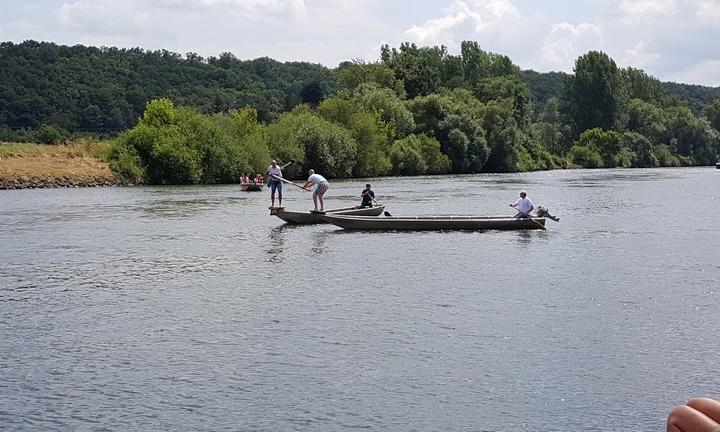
x,y
435,223
296,217
251,187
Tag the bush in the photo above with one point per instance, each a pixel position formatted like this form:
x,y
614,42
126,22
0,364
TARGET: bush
x,y
585,157
49,134
125,162
665,157
418,154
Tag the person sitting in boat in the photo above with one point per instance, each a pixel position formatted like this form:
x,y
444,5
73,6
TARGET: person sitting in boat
x,y
274,173
258,179
242,179
523,205
699,415
321,186
368,196
246,179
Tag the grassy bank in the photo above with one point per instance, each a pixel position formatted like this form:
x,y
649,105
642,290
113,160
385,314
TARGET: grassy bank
x,y
80,163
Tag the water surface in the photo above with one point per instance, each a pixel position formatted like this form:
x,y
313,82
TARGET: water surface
x,y
190,308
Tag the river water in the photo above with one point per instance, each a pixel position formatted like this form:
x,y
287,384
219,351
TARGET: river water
x,y
192,309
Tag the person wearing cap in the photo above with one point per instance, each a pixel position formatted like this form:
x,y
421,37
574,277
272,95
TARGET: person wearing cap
x,y
368,196
523,205
321,186
275,174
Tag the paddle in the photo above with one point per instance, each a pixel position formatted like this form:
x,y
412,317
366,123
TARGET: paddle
x,y
529,217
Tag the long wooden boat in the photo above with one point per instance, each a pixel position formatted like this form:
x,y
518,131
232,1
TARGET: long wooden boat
x,y
251,187
307,217
435,223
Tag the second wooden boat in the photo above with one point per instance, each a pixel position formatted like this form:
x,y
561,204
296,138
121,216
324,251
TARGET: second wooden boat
x,y
251,187
435,223
307,217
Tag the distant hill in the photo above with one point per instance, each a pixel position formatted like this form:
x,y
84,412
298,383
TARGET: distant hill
x,y
546,85
104,90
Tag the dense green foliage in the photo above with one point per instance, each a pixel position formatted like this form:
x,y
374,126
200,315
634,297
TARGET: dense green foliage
x,y
104,90
420,110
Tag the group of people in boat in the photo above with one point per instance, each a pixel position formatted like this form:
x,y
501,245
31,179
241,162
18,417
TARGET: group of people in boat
x,y
245,179
523,205
314,180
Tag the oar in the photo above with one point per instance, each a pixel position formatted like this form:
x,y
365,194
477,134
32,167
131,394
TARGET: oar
x,y
288,181
529,217
386,213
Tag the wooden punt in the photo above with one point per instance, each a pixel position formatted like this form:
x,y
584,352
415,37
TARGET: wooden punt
x,y
435,223
308,217
251,187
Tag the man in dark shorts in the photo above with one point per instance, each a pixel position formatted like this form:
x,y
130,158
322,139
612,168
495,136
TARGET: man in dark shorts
x,y
367,197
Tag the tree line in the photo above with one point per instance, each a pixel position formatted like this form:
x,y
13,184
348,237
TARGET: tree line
x,y
419,110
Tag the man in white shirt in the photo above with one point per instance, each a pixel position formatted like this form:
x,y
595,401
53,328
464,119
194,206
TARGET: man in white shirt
x,y
275,182
321,186
523,205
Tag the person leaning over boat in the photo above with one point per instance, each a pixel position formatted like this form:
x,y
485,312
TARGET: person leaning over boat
x,y
275,175
321,187
523,205
699,415
367,196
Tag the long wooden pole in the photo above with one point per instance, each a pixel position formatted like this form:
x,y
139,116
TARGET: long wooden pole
x,y
288,181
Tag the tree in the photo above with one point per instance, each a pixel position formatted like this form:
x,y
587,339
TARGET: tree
x,y
455,119
711,112
419,68
591,94
642,150
352,75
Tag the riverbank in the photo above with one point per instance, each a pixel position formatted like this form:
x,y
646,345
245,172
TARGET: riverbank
x,y
77,164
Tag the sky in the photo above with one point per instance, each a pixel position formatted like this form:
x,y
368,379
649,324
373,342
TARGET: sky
x,y
673,40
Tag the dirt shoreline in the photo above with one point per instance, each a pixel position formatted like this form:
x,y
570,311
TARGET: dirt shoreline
x,y
49,171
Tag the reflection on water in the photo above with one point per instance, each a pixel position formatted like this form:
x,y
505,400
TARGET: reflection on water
x,y
111,297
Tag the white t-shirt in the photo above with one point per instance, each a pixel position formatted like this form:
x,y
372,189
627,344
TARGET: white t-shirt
x,y
316,178
524,205
274,170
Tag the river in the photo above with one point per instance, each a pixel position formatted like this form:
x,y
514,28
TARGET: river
x,y
193,309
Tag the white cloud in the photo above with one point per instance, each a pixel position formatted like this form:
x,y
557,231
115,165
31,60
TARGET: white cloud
x,y
639,56
468,19
706,72
634,10
709,11
566,42
105,16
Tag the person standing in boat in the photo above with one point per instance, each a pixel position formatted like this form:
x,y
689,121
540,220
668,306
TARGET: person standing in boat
x,y
275,182
523,205
368,196
321,186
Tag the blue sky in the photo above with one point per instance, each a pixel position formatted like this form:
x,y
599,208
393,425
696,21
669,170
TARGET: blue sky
x,y
673,40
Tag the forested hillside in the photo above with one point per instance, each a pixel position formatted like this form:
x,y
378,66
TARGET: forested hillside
x,y
419,110
104,90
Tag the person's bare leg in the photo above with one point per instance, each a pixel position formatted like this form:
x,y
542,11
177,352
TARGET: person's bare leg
x,y
272,199
315,202
686,419
279,199
709,407
322,203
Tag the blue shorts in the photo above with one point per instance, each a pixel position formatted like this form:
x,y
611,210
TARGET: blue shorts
x,y
275,184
